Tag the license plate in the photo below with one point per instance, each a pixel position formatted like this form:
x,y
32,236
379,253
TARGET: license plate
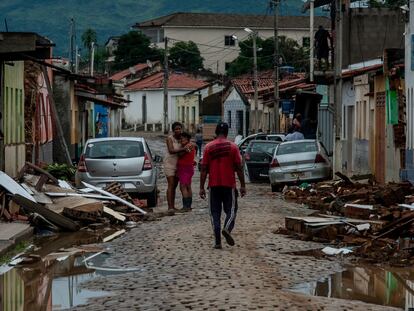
x,y
298,175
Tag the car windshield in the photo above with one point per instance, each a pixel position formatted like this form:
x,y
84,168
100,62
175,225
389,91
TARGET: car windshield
x,y
274,138
114,149
263,147
297,147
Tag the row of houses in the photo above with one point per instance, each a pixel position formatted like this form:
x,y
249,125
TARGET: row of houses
x,y
47,112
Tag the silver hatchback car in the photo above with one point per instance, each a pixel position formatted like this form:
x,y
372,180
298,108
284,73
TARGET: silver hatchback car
x,y
300,160
127,160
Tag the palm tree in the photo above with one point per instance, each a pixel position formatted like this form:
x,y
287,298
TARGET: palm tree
x,y
88,37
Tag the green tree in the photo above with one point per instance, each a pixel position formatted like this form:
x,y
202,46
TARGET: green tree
x,y
186,56
87,38
101,55
291,54
134,47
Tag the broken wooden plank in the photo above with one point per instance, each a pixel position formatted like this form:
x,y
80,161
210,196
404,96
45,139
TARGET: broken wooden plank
x,y
114,235
51,216
74,194
13,187
114,197
114,214
78,203
344,178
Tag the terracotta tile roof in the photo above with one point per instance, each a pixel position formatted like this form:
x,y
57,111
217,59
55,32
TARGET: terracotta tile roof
x,y
175,81
231,21
124,73
245,84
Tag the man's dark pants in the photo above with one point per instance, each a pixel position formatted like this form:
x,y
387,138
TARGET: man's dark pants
x,y
222,198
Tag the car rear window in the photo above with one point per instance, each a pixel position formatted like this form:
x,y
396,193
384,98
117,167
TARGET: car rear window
x,y
268,147
114,149
274,138
297,147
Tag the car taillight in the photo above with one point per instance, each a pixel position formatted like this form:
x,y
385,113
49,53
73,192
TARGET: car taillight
x,y
247,156
147,163
82,164
274,163
319,159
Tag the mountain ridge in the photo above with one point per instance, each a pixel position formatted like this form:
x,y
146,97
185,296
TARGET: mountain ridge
x,y
51,18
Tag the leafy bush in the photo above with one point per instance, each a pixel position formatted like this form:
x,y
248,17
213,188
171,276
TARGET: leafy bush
x,y
61,171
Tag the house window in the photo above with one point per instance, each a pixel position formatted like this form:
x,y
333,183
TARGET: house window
x,y
306,42
229,118
229,41
144,109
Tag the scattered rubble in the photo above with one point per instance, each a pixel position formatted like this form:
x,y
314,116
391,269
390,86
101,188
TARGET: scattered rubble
x,y
54,205
378,220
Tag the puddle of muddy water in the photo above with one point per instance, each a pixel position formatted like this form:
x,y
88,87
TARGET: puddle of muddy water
x,y
388,287
52,285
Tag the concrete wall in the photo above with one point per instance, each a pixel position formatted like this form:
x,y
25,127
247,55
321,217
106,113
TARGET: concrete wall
x,y
187,111
211,42
367,32
63,96
408,173
155,106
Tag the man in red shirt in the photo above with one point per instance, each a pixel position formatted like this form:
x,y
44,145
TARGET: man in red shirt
x,y
221,160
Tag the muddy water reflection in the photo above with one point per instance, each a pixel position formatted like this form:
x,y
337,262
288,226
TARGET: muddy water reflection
x,y
388,287
47,285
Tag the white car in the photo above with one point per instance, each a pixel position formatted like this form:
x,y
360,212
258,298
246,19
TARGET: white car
x,y
299,161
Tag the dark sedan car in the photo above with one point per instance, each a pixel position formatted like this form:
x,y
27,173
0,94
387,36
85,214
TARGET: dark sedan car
x,y
257,157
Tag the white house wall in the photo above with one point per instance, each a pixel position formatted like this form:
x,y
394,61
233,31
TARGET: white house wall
x,y
210,41
155,106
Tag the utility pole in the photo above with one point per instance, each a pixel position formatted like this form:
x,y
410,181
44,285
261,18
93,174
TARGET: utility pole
x,y
165,84
92,57
77,59
275,5
71,44
311,40
255,83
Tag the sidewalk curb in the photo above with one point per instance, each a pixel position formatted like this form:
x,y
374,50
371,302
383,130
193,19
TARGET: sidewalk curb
x,y
7,245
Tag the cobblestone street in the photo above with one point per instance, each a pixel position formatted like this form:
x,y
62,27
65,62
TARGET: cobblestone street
x,y
181,270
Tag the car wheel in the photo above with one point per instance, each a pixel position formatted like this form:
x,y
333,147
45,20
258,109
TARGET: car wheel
x,y
152,199
275,188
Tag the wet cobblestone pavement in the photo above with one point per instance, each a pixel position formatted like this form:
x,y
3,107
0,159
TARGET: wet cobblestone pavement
x,y
181,270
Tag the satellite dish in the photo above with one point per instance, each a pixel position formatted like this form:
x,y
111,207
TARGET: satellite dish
x,y
149,63
132,70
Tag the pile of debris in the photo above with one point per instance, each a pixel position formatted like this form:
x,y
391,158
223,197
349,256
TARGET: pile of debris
x,y
375,221
55,205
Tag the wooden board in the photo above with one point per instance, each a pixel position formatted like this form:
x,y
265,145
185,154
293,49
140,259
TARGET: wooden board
x,y
79,203
50,215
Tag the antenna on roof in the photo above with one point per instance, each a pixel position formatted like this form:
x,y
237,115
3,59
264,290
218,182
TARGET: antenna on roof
x,y
132,70
5,24
149,63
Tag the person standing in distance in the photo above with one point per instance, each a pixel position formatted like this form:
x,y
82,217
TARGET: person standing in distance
x,y
220,161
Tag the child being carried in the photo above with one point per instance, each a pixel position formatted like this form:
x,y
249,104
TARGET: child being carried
x,y
185,170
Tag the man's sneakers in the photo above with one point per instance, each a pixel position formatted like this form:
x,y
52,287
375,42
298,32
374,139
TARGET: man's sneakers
x,y
228,237
217,246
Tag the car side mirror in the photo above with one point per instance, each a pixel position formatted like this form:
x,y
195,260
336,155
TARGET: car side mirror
x,y
157,159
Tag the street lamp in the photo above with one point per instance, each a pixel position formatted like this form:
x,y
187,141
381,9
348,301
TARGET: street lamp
x,y
253,34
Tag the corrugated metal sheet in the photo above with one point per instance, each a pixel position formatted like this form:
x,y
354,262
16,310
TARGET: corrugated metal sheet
x,y
325,127
13,113
12,295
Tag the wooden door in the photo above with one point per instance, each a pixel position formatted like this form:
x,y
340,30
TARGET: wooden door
x,y
380,137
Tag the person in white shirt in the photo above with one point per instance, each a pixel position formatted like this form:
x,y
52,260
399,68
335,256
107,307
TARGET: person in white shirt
x,y
294,134
238,138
